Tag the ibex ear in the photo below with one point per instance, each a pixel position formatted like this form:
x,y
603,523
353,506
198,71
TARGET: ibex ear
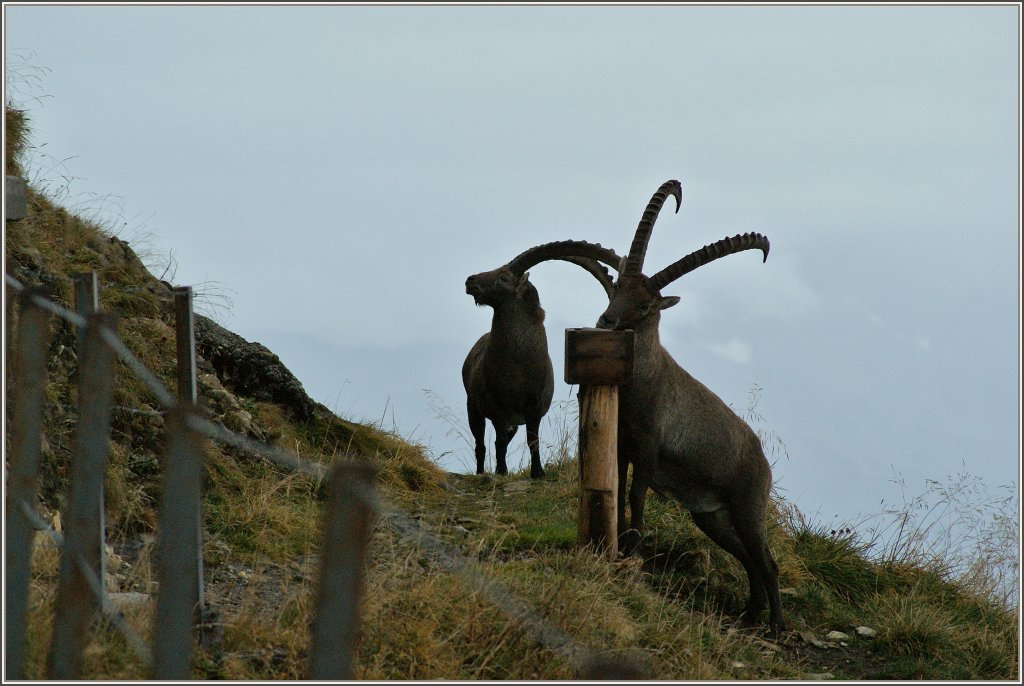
x,y
668,302
524,283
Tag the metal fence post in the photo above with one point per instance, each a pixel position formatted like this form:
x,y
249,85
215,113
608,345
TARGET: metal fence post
x,y
185,341
599,361
26,430
342,560
16,191
87,302
188,393
76,597
178,596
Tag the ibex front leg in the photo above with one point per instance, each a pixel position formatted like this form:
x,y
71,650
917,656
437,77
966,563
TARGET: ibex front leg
x,y
533,440
504,435
478,427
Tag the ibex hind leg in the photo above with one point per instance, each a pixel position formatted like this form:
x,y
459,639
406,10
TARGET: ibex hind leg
x,y
621,500
720,529
503,435
630,539
477,426
755,539
533,440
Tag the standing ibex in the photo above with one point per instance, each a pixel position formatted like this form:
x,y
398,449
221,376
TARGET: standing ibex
x,y
507,373
681,438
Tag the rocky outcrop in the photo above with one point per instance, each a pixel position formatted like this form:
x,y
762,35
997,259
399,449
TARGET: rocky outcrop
x,y
250,369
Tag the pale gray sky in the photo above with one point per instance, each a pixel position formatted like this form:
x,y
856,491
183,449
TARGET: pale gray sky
x,y
342,170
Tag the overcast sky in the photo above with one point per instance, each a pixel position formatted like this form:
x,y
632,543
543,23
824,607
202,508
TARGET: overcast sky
x,y
339,171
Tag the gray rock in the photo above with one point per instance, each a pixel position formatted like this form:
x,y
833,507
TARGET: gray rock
x,y
250,369
123,602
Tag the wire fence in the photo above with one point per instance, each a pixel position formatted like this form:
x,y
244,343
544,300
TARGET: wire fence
x,y
352,500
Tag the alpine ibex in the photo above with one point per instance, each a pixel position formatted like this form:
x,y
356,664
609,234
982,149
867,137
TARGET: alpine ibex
x,y
507,374
682,439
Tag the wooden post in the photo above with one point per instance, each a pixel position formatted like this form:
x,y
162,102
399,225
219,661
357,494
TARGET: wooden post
x,y
76,600
26,432
179,554
342,560
599,361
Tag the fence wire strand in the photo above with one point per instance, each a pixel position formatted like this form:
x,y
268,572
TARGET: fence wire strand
x,y
442,554
114,617
115,408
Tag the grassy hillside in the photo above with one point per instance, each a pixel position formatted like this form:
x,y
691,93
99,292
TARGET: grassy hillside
x,y
669,614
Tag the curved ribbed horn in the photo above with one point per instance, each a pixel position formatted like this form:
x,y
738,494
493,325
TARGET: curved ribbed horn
x,y
560,250
637,251
598,270
709,253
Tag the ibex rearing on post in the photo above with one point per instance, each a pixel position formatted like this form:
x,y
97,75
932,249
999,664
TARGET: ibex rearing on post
x,y
681,438
507,374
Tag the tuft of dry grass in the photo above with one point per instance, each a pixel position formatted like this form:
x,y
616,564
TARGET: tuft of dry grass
x,y
16,123
911,627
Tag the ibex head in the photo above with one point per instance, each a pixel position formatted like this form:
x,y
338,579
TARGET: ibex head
x,y
633,300
499,285
637,298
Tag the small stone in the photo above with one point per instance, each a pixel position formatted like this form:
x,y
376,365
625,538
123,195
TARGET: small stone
x,y
867,632
738,665
209,381
821,676
837,636
787,591
218,395
239,420
808,637
121,602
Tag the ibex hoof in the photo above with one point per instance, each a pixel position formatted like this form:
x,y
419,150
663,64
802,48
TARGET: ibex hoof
x,y
750,616
537,473
776,629
629,542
